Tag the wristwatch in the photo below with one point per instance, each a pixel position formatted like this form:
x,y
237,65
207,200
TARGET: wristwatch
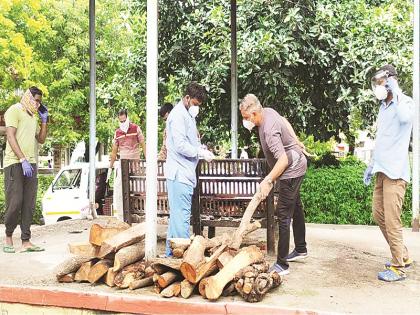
x,y
22,159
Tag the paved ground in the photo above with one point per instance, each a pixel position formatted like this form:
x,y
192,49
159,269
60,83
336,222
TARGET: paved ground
x,y
339,276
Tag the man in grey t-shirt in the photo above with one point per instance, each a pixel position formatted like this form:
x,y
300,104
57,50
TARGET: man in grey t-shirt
x,y
285,156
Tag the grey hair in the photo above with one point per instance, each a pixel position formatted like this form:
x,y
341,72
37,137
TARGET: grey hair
x,y
250,103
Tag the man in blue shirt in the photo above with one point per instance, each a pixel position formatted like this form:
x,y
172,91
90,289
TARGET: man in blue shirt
x,y
183,151
390,163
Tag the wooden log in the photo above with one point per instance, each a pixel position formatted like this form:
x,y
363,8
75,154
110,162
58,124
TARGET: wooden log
x,y
168,278
145,282
245,221
98,270
181,243
99,232
178,252
83,272
206,268
70,265
194,258
157,288
245,257
202,287
130,274
110,277
149,272
224,259
187,288
172,290
134,234
128,255
83,249
68,278
162,265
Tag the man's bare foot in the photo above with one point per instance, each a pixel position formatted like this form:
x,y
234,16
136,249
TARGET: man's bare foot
x,y
9,240
27,244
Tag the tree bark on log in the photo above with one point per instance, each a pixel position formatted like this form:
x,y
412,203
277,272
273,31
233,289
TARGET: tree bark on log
x,y
130,274
245,221
125,238
100,232
245,257
83,249
168,278
145,282
162,265
68,278
128,255
98,270
254,289
187,288
172,290
70,265
83,272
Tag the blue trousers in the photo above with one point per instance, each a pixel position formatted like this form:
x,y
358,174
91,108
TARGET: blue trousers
x,y
180,198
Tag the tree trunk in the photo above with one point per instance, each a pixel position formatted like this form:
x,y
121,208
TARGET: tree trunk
x,y
125,238
128,255
83,272
172,290
145,282
245,257
100,232
206,268
68,278
70,265
98,270
167,278
162,265
194,258
83,249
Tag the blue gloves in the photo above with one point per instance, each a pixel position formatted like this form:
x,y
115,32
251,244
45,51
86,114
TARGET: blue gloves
x,y
43,116
392,85
367,176
27,169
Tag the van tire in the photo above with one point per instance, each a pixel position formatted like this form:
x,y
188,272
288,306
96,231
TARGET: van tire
x,y
63,219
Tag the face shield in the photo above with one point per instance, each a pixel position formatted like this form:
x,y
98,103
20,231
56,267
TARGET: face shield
x,y
379,84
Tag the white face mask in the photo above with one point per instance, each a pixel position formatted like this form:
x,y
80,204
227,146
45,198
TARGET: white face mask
x,y
248,124
193,110
380,92
124,126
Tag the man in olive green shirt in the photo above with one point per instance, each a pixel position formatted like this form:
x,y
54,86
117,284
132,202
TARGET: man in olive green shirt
x,y
20,169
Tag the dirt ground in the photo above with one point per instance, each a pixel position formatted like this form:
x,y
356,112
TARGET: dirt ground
x,y
339,276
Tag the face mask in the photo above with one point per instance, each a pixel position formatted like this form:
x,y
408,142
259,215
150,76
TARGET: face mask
x,y
124,126
248,124
381,92
193,110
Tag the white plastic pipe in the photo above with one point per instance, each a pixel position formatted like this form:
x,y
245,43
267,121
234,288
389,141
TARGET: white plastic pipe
x,y
416,124
151,128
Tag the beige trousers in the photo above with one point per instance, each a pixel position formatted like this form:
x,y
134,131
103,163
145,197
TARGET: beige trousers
x,y
388,199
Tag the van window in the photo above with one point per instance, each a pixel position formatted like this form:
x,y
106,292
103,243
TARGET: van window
x,y
68,179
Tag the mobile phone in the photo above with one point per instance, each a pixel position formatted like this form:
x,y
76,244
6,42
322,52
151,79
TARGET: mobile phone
x,y
42,108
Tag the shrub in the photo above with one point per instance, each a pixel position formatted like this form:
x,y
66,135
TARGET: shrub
x,y
43,182
338,196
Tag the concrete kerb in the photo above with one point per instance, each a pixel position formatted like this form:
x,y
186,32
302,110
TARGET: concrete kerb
x,y
134,304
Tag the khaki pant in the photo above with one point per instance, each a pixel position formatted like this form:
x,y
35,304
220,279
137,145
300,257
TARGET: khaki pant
x,y
388,198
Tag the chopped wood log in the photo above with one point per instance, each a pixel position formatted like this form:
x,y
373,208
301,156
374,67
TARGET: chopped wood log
x,y
181,243
202,287
100,232
149,272
194,258
172,290
260,286
245,257
229,289
70,265
68,278
128,255
224,259
162,265
110,277
187,288
168,278
98,270
178,252
130,274
245,221
205,269
134,234
145,282
83,249
83,272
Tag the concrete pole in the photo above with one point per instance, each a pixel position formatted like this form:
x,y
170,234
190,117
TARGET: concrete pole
x,y
151,128
92,108
416,124
233,81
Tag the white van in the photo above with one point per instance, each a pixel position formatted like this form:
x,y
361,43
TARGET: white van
x,y
68,195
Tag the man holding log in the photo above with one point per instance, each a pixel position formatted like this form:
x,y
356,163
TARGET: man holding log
x,y
183,151
285,156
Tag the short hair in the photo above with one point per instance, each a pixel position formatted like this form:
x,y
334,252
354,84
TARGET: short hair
x,y
391,70
250,103
35,91
197,91
165,109
123,111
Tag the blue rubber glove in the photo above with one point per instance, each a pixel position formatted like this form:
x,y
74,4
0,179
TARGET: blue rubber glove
x,y
367,176
392,86
27,169
43,116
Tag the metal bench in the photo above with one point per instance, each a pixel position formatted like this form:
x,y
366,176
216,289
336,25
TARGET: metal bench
x,y
224,189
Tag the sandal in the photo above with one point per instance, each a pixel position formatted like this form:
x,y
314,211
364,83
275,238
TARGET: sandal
x,y
32,249
9,249
391,274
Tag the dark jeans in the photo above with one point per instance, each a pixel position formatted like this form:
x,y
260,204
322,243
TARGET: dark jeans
x,y
289,206
20,194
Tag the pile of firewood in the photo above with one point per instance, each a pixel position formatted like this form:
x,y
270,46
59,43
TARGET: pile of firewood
x,y
211,267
